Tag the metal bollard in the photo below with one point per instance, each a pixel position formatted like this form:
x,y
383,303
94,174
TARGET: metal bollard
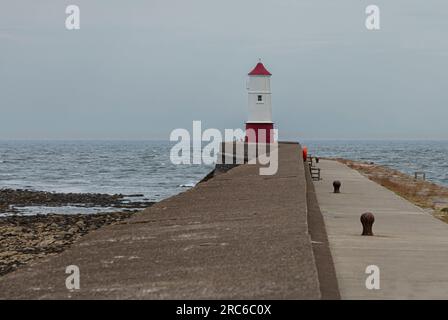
x,y
367,220
336,186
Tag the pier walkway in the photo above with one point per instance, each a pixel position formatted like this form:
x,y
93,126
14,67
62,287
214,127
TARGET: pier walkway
x,y
410,247
239,235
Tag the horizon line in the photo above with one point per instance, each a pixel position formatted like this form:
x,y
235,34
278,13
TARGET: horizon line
x,y
280,140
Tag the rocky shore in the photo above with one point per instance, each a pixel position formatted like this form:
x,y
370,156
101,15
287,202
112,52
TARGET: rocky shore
x,y
425,194
11,199
26,238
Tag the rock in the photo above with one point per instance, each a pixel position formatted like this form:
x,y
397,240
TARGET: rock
x,y
46,242
30,197
81,224
5,254
73,230
24,239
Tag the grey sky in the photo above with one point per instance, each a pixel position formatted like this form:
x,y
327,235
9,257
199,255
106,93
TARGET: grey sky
x,y
138,69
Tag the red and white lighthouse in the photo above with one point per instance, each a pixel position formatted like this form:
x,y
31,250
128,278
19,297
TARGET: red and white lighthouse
x,y
259,122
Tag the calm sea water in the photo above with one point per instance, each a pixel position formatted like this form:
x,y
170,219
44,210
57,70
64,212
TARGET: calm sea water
x,y
405,156
126,167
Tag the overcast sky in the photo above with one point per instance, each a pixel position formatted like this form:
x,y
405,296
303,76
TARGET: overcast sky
x,y
139,69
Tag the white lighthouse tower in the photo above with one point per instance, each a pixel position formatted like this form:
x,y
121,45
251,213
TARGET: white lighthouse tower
x,y
260,107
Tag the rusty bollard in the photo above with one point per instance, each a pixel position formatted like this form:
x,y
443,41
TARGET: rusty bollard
x,y
367,220
337,186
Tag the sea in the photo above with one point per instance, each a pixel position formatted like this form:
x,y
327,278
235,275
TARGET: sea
x,y
144,167
114,167
407,156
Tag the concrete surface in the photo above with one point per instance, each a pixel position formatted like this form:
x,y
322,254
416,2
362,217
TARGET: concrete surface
x,y
237,236
328,283
410,246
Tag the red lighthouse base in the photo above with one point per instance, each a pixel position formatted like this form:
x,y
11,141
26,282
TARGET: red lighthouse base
x,y
260,132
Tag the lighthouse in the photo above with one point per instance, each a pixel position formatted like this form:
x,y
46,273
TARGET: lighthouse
x,y
259,126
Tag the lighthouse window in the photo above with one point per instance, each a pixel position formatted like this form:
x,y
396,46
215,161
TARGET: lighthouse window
x,y
260,98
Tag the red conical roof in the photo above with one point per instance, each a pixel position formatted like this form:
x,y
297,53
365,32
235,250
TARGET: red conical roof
x,y
259,70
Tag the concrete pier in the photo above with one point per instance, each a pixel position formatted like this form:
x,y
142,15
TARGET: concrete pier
x,y
410,247
240,235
